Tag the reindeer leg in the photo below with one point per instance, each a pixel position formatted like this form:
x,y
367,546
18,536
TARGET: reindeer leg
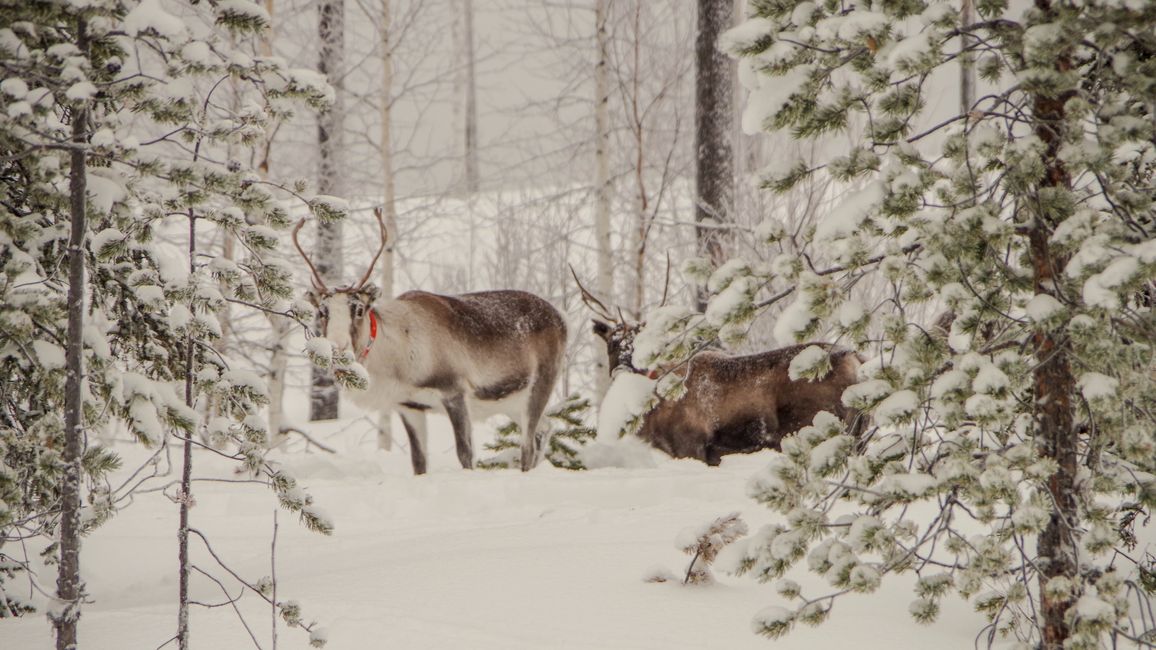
x,y
414,422
533,441
459,414
712,455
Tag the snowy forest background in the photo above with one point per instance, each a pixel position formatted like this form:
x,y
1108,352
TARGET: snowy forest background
x,y
961,192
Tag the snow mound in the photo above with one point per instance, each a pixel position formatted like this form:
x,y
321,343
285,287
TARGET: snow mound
x,y
627,452
627,397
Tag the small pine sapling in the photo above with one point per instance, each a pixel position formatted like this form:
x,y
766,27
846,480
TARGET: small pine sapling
x,y
568,434
703,544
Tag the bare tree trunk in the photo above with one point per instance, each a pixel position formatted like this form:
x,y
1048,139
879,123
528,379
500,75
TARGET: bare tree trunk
x,y
641,203
262,155
605,286
745,150
267,36
229,240
1054,382
471,100
384,421
281,326
185,495
323,402
69,587
278,365
967,60
714,171
224,314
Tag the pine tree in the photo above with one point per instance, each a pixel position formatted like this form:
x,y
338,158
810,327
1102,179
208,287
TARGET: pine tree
x,y
568,434
128,90
1029,416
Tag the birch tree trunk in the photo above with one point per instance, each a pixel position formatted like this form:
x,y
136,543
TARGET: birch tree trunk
x,y
384,423
69,586
471,117
228,244
323,403
268,36
641,202
605,284
281,327
278,365
713,117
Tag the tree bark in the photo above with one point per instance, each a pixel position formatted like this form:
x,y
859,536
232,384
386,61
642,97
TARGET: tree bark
x,y
967,60
641,201
278,365
281,326
323,402
185,495
605,259
471,122
713,117
69,587
267,36
1054,382
384,420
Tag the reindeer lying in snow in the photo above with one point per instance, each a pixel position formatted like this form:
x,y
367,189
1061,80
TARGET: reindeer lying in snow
x,y
469,356
732,404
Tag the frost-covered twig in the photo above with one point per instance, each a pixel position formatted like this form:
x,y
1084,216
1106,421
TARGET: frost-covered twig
x,y
290,611
229,600
309,439
273,581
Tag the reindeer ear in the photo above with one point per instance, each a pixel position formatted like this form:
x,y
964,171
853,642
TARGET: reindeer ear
x,y
370,292
601,329
312,297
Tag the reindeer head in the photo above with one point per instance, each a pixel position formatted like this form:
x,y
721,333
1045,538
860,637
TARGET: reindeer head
x,y
618,333
344,314
341,315
619,337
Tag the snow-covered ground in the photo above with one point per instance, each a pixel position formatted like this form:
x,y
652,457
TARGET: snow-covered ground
x,y
456,559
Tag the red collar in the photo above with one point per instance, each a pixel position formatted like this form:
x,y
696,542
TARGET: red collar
x,y
372,336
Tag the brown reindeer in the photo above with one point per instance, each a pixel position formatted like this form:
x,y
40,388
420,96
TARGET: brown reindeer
x,y
468,356
732,404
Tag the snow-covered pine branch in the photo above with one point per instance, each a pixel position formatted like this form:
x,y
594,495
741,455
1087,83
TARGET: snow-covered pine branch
x,y
1028,413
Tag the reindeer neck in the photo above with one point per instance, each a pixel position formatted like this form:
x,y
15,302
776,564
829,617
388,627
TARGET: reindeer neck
x,y
373,325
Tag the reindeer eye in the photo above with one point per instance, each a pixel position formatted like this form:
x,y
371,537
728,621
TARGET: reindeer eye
x,y
358,310
323,311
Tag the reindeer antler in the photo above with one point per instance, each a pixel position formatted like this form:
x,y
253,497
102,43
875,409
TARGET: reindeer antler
x,y
666,284
318,283
593,303
384,238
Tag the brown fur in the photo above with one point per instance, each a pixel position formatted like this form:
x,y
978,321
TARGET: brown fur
x,y
744,404
492,344
495,320
465,355
738,404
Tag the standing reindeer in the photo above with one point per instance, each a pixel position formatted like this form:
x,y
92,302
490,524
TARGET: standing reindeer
x,y
732,404
468,356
